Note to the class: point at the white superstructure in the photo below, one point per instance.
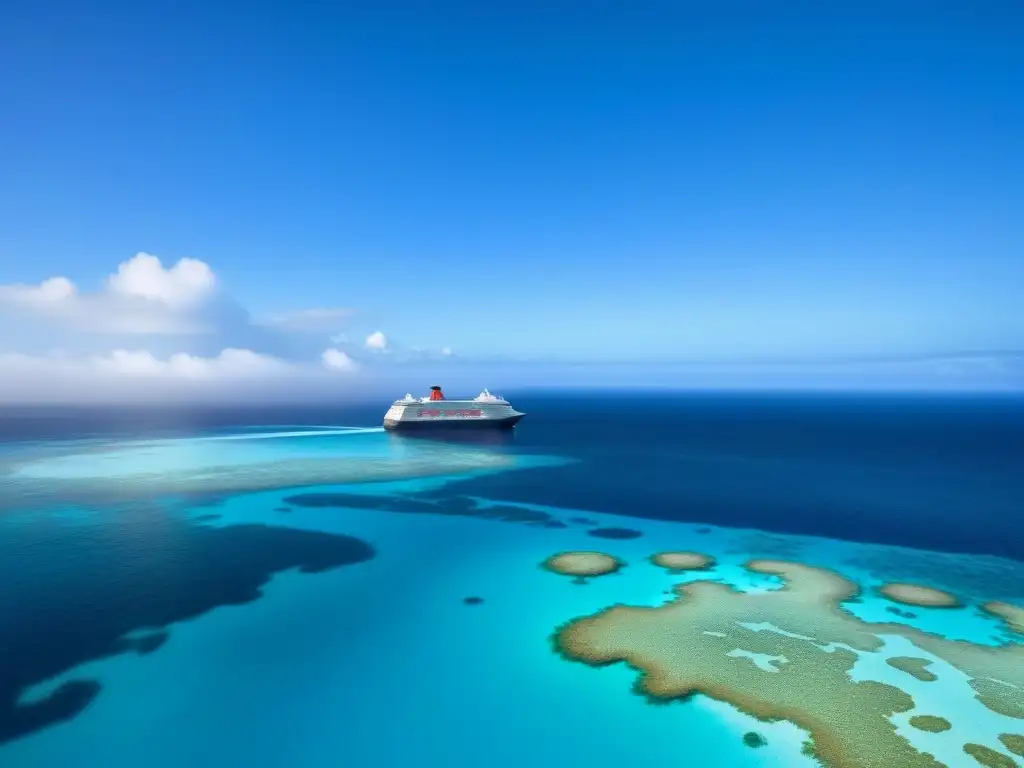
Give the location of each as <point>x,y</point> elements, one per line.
<point>484,410</point>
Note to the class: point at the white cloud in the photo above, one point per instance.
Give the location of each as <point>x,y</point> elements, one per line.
<point>336,360</point>
<point>141,297</point>
<point>231,363</point>
<point>377,341</point>
<point>140,364</point>
<point>48,292</point>
<point>125,375</point>
<point>145,277</point>
<point>446,352</point>
<point>150,331</point>
<point>180,307</point>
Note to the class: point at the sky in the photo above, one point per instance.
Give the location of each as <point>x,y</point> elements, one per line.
<point>204,197</point>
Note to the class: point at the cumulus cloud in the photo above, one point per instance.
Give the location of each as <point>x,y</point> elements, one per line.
<point>145,298</point>
<point>154,330</point>
<point>47,293</point>
<point>141,297</point>
<point>145,277</point>
<point>336,360</point>
<point>158,330</point>
<point>377,341</point>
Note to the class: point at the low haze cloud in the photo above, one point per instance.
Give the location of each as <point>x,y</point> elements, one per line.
<point>327,319</point>
<point>151,331</point>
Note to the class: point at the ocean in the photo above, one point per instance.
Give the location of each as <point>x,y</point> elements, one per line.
<point>292,586</point>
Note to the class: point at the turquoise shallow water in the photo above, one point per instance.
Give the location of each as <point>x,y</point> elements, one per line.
<point>378,660</point>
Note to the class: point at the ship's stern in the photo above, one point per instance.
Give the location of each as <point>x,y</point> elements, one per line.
<point>393,416</point>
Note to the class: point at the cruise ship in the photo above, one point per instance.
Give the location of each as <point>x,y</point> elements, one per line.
<point>437,412</point>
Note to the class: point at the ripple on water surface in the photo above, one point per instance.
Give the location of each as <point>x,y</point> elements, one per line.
<point>320,670</point>
<point>249,461</point>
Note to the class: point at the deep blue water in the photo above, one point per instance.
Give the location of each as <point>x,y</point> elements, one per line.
<point>113,543</point>
<point>935,472</point>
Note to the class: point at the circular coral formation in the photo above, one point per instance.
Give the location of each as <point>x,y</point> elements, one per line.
<point>930,723</point>
<point>683,561</point>
<point>582,564</point>
<point>754,740</point>
<point>916,594</point>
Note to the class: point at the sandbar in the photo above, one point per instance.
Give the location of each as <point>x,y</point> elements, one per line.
<point>930,723</point>
<point>687,646</point>
<point>913,666</point>
<point>166,479</point>
<point>582,563</point>
<point>1012,615</point>
<point>919,595</point>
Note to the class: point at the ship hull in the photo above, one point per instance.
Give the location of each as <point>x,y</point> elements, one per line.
<point>451,415</point>
<point>445,425</point>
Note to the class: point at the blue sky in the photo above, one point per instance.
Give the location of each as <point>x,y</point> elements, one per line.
<point>625,182</point>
